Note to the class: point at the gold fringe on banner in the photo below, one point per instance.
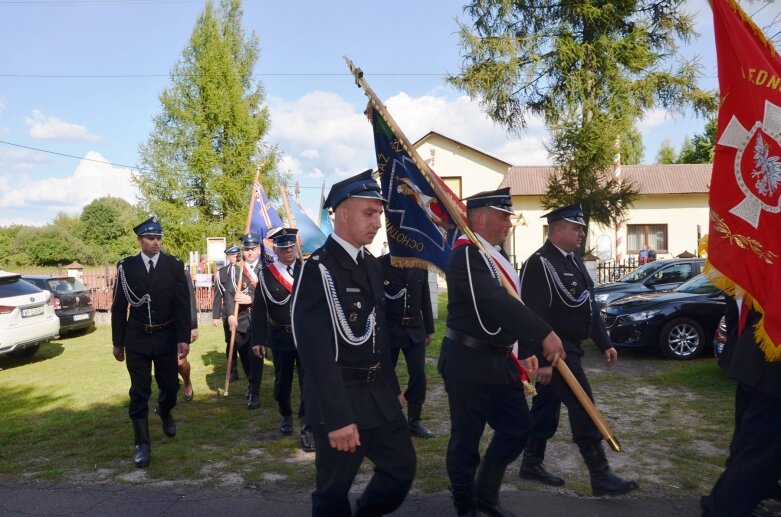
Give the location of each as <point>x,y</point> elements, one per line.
<point>730,288</point>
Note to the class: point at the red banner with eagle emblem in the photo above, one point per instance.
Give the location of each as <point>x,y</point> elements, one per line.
<point>744,242</point>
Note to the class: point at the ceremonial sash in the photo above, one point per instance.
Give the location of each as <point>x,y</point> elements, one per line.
<point>279,272</point>
<point>250,273</point>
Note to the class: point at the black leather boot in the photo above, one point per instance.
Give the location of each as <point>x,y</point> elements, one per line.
<point>531,465</point>
<point>286,425</point>
<point>143,446</point>
<point>253,402</point>
<point>603,480</point>
<point>307,439</point>
<point>487,482</point>
<point>416,427</point>
<point>169,424</point>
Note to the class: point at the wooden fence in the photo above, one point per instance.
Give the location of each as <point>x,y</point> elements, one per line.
<point>101,286</point>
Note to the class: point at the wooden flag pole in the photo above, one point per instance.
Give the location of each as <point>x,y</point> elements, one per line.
<point>460,219</point>
<point>237,284</point>
<point>291,220</point>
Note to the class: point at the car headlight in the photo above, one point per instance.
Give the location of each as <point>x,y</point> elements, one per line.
<point>641,316</point>
<point>601,298</point>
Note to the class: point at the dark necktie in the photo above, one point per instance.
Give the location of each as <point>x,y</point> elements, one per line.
<point>290,270</point>
<point>151,266</point>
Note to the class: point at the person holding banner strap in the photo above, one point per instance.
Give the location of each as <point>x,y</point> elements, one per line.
<point>271,328</point>
<point>248,281</point>
<point>556,285</point>
<point>351,393</point>
<point>482,379</point>
<point>753,467</point>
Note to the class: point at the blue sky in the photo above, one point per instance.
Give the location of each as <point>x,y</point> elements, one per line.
<point>82,78</point>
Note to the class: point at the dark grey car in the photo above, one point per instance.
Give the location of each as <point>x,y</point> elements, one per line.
<point>661,275</point>
<point>71,299</point>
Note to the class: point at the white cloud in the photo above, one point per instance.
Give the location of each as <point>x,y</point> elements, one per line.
<point>315,174</point>
<point>52,128</point>
<point>49,196</point>
<point>311,154</point>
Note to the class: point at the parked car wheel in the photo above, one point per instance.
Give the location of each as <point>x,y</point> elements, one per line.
<point>25,352</point>
<point>682,338</point>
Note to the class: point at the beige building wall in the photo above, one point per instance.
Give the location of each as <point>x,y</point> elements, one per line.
<point>681,213</point>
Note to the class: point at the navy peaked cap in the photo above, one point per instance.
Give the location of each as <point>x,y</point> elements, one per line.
<point>149,227</point>
<point>361,186</point>
<point>496,199</point>
<point>250,240</point>
<point>571,213</point>
<point>283,237</point>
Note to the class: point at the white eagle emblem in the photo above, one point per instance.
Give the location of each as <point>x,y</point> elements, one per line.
<point>759,174</point>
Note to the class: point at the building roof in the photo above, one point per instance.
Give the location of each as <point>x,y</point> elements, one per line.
<point>648,179</point>
<point>431,134</point>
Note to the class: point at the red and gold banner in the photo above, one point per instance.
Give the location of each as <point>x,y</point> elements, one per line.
<point>744,242</point>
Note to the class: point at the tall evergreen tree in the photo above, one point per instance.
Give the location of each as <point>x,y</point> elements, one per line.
<point>666,154</point>
<point>591,69</point>
<point>201,157</point>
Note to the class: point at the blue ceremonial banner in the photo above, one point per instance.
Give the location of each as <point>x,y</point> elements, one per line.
<point>264,218</point>
<point>421,231</point>
<point>324,222</point>
<point>309,234</point>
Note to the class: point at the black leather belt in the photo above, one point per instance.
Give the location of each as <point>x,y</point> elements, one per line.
<point>360,374</point>
<point>409,320</point>
<point>478,344</point>
<point>286,328</point>
<point>151,329</point>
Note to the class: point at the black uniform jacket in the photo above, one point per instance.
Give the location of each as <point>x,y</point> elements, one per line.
<point>193,301</point>
<point>330,398</point>
<point>410,317</point>
<point>170,302</point>
<point>561,291</point>
<point>222,278</point>
<point>271,321</point>
<point>497,308</point>
<point>742,358</point>
<point>247,286</point>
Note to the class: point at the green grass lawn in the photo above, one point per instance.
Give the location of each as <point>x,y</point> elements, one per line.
<point>64,418</point>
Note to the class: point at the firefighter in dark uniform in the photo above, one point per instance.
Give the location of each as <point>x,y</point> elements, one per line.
<point>481,377</point>
<point>248,282</point>
<point>271,329</point>
<point>150,325</point>
<point>410,329</point>
<point>753,467</point>
<point>351,393</point>
<point>226,275</point>
<point>556,285</point>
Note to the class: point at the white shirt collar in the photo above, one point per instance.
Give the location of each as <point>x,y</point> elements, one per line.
<point>147,258</point>
<point>349,248</point>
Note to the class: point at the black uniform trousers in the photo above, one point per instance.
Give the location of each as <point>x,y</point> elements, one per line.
<point>285,363</point>
<point>546,406</point>
<point>139,366</point>
<point>754,464</point>
<point>415,356</point>
<point>227,330</point>
<point>472,406</point>
<point>390,449</point>
<point>250,363</point>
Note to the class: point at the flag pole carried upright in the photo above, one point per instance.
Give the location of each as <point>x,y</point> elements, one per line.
<point>459,217</point>
<point>236,286</point>
<point>290,219</point>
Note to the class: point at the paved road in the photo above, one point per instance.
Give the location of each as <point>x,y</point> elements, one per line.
<point>45,499</point>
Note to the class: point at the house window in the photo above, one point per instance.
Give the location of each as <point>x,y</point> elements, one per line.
<point>651,234</point>
<point>454,184</point>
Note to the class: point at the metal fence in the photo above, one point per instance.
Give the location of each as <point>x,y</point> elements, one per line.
<point>610,271</point>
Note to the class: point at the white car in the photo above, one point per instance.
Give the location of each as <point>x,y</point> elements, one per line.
<point>26,317</point>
